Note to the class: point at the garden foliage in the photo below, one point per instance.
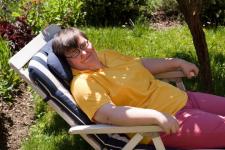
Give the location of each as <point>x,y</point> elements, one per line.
<point>41,13</point>
<point>8,9</point>
<point>18,33</point>
<point>213,12</point>
<point>9,80</point>
<point>112,12</point>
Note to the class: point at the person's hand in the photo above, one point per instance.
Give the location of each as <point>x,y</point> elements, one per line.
<point>189,69</point>
<point>167,122</point>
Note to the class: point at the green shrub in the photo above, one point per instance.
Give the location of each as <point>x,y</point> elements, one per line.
<point>213,12</point>
<point>112,12</point>
<point>9,80</point>
<point>170,6</point>
<point>153,5</point>
<point>41,13</point>
<point>8,9</point>
<point>162,8</point>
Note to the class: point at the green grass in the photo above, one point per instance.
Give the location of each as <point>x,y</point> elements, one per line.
<point>142,41</point>
<point>216,42</point>
<point>50,132</point>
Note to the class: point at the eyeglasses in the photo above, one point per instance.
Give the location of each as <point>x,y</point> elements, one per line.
<point>74,52</point>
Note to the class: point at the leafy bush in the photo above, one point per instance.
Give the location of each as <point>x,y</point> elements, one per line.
<point>18,33</point>
<point>153,5</point>
<point>9,81</point>
<point>8,9</point>
<point>112,12</point>
<point>213,12</point>
<point>170,7</point>
<point>163,10</point>
<point>41,13</point>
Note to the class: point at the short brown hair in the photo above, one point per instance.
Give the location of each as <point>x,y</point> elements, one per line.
<point>65,40</point>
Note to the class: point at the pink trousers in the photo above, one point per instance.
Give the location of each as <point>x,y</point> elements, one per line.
<point>202,123</point>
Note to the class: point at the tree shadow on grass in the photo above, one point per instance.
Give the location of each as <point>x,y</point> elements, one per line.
<point>194,83</point>
<point>217,67</point>
<point>57,126</point>
<point>218,72</point>
<point>74,142</point>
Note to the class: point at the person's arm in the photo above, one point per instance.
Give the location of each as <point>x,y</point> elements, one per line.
<point>131,116</point>
<point>160,65</point>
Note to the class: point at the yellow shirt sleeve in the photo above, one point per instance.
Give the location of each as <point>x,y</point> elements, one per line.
<point>88,94</point>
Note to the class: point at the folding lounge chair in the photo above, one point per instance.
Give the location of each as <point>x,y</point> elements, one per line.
<point>40,68</point>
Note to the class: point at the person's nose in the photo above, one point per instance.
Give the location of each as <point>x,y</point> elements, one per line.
<point>83,52</point>
<point>89,47</point>
<point>87,50</point>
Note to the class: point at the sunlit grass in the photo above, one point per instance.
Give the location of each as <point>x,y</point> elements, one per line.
<point>55,138</point>
<point>142,41</point>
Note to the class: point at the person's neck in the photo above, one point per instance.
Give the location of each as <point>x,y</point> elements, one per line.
<point>103,65</point>
<point>98,67</point>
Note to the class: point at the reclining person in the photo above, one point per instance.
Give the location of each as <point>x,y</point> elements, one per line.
<point>121,90</point>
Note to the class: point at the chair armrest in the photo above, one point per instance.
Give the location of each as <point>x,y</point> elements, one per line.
<point>170,74</point>
<point>105,129</point>
<point>173,76</point>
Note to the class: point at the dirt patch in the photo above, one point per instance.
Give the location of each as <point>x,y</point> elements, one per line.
<point>160,20</point>
<point>16,118</point>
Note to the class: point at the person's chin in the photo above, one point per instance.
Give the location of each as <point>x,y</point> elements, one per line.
<point>97,67</point>
<point>90,68</point>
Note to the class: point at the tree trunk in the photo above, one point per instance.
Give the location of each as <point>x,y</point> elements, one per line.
<point>191,11</point>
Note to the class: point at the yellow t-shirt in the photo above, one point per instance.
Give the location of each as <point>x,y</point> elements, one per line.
<point>124,82</point>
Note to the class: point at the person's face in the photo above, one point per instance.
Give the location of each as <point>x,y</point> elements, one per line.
<point>84,57</point>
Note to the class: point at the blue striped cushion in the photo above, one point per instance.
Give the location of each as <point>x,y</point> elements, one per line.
<point>57,65</point>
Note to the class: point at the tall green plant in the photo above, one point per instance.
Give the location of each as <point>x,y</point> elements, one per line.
<point>8,9</point>
<point>8,78</point>
<point>41,13</point>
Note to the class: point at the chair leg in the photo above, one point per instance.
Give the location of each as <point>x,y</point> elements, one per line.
<point>157,141</point>
<point>133,142</point>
